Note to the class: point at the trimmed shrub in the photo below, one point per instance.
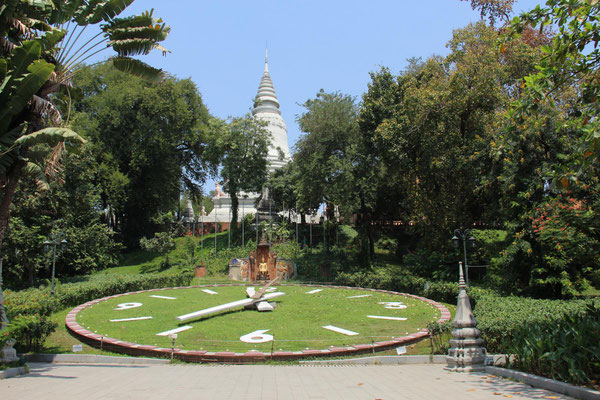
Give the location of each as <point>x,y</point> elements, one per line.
<point>501,319</point>
<point>41,302</point>
<point>403,282</point>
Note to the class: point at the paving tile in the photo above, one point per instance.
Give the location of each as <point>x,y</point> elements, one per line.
<point>148,382</point>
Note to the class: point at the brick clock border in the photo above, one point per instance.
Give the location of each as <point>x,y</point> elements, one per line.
<point>135,349</point>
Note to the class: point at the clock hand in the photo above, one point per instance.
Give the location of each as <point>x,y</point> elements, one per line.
<point>227,306</point>
<point>262,290</point>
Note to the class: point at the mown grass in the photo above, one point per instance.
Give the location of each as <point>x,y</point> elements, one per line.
<point>295,324</point>
<point>61,342</point>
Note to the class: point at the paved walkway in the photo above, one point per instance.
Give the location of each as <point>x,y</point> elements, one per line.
<point>182,381</point>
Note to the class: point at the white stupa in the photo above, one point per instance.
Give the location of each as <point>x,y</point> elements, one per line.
<point>266,108</point>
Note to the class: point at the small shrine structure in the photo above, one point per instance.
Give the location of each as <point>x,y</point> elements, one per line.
<point>261,265</point>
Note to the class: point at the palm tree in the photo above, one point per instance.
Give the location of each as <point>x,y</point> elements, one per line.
<point>39,54</point>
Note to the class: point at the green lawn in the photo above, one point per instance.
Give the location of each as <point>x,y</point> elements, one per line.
<point>188,253</point>
<point>295,324</point>
<point>61,342</point>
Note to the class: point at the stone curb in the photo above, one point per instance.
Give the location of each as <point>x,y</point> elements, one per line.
<point>545,383</point>
<point>91,359</point>
<point>491,359</point>
<point>135,349</point>
<point>12,372</point>
<point>376,360</point>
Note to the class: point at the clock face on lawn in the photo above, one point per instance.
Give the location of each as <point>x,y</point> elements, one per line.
<point>305,317</point>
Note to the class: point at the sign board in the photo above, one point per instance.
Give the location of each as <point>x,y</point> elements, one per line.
<point>77,347</point>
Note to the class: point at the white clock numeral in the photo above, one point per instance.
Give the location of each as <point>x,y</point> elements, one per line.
<point>127,306</point>
<point>392,305</point>
<point>257,337</point>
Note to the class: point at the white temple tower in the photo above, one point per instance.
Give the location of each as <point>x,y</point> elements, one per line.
<point>266,108</point>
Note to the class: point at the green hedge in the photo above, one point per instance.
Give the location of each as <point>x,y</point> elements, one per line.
<point>39,301</point>
<point>445,292</point>
<point>500,319</point>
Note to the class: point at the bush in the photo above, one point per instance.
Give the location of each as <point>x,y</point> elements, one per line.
<point>431,264</point>
<point>566,349</point>
<point>381,278</point>
<point>501,319</point>
<point>162,242</point>
<point>30,331</point>
<point>490,242</point>
<point>439,336</point>
<point>317,265</point>
<point>554,253</point>
<point>386,243</point>
<point>40,302</point>
<point>218,264</point>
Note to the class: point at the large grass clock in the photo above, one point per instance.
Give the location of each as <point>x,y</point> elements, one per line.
<point>305,321</point>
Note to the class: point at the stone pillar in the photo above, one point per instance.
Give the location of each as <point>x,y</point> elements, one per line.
<point>466,351</point>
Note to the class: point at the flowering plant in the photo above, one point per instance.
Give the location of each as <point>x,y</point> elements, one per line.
<point>565,239</point>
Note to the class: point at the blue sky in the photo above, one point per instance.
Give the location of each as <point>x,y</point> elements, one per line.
<point>313,45</point>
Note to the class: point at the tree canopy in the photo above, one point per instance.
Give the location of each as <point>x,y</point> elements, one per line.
<point>149,141</point>
<point>242,145</point>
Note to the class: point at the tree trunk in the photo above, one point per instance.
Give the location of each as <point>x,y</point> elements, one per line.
<point>12,180</point>
<point>31,274</point>
<point>235,203</point>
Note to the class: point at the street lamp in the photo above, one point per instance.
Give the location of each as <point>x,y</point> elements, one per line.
<point>464,236</point>
<point>55,239</point>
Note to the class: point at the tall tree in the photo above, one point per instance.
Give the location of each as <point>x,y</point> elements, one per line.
<point>150,142</point>
<point>34,65</point>
<point>38,59</point>
<point>493,10</point>
<point>323,155</point>
<point>334,165</point>
<point>549,152</point>
<point>70,205</point>
<point>435,122</point>
<point>571,60</point>
<point>242,144</point>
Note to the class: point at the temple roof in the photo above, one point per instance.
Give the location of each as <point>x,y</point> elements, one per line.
<point>266,99</point>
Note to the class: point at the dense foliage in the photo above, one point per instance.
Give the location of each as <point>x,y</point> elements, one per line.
<point>440,146</point>
<point>566,349</point>
<point>501,319</point>
<point>242,146</point>
<point>571,61</point>
<point>37,63</point>
<point>69,205</point>
<point>148,141</point>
